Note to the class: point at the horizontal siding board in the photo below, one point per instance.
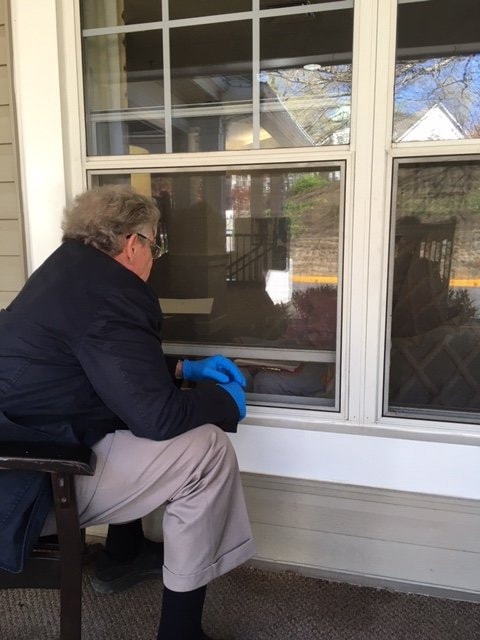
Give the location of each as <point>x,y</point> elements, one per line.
<point>5,125</point>
<point>5,96</point>
<point>374,520</point>
<point>3,46</point>
<point>12,273</point>
<point>359,492</point>
<point>364,535</point>
<point>9,204</point>
<point>6,297</point>
<point>7,163</point>
<point>10,238</point>
<point>388,561</point>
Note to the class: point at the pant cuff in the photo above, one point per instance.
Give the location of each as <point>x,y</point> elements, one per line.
<point>226,563</point>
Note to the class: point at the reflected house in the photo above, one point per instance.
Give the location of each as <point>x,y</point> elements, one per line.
<point>435,123</point>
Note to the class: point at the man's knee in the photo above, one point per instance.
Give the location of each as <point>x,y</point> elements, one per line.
<point>214,442</point>
<point>209,461</point>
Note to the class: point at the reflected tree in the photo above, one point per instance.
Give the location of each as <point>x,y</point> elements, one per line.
<point>452,81</point>
<point>318,100</point>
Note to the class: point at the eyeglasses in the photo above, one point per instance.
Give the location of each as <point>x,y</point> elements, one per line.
<point>156,249</point>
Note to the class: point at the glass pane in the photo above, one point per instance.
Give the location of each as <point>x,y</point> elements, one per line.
<point>113,13</point>
<point>196,8</point>
<point>306,79</point>
<point>211,93</point>
<point>253,265</point>
<point>276,4</point>
<point>437,81</point>
<point>124,93</point>
<point>435,290</point>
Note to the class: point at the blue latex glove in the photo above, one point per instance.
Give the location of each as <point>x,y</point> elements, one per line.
<point>238,394</point>
<point>217,368</point>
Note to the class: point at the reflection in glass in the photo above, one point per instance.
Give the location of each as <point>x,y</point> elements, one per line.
<point>437,76</point>
<point>253,264</point>
<point>124,93</point>
<point>435,298</point>
<point>195,8</point>
<point>113,13</point>
<point>306,78</point>
<point>211,94</point>
<point>276,4</point>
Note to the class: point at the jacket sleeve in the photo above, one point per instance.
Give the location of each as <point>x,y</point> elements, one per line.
<point>122,357</point>
<point>171,362</point>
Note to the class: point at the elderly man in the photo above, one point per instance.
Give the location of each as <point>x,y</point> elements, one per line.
<point>82,361</point>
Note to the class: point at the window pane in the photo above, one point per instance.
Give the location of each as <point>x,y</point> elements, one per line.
<point>276,4</point>
<point>124,93</point>
<point>306,79</point>
<point>196,8</point>
<point>437,83</point>
<point>253,265</point>
<point>435,290</point>
<point>211,93</point>
<point>113,13</point>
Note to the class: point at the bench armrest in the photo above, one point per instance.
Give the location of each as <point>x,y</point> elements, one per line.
<point>48,457</point>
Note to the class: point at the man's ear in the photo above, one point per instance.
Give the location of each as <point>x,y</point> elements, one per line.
<point>130,247</point>
<point>127,254</point>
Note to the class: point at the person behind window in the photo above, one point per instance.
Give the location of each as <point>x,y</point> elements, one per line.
<point>419,294</point>
<point>82,362</point>
<point>313,326</point>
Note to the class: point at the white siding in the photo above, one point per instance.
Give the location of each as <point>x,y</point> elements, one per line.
<point>12,270</point>
<point>424,544</point>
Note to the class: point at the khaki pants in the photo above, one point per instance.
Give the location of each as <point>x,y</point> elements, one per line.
<point>206,530</point>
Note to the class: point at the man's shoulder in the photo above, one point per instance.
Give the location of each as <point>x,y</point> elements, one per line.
<point>80,277</point>
<point>84,265</point>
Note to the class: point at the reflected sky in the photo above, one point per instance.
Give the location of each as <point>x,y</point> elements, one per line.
<point>452,81</point>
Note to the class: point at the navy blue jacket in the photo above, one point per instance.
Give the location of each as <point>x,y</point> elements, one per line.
<point>81,356</point>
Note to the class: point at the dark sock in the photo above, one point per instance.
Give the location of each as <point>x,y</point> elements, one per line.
<point>181,617</point>
<point>124,541</point>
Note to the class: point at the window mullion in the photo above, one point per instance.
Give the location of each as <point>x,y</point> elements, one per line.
<point>166,78</point>
<point>380,210</point>
<point>256,75</point>
<point>359,287</point>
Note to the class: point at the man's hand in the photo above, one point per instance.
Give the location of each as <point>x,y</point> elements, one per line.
<point>238,394</point>
<point>217,368</point>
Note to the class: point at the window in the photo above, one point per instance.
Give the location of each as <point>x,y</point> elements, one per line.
<point>433,339</point>
<point>435,300</point>
<point>253,269</point>
<point>277,77</point>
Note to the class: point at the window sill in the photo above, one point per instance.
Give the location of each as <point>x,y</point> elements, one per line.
<point>329,422</point>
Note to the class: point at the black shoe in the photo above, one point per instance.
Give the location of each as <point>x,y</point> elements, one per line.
<point>113,575</point>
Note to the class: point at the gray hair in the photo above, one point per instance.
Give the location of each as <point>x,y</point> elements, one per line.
<point>103,216</point>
